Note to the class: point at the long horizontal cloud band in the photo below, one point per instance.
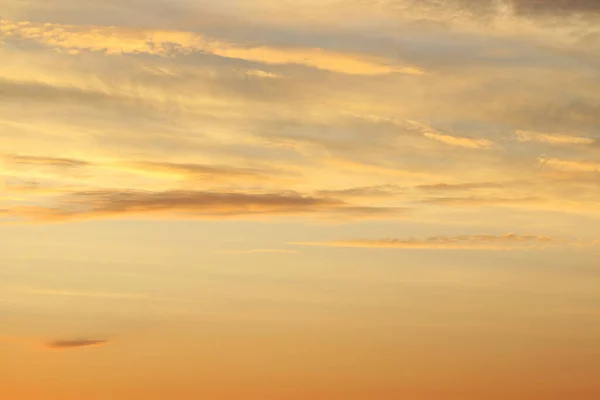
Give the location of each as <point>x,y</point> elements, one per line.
<point>114,40</point>
<point>193,204</point>
<point>474,242</point>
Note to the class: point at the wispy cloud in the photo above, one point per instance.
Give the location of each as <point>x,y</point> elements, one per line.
<point>468,242</point>
<point>233,118</point>
<point>481,201</point>
<point>569,165</point>
<point>116,40</point>
<point>190,170</point>
<point>451,140</point>
<point>43,161</point>
<point>258,251</point>
<point>452,187</point>
<point>457,141</point>
<point>528,136</point>
<point>364,191</point>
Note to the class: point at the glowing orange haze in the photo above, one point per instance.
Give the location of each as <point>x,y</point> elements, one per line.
<point>299,200</point>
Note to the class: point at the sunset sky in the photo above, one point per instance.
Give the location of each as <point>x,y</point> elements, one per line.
<point>299,200</point>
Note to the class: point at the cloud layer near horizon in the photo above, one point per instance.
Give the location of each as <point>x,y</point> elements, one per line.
<point>469,242</point>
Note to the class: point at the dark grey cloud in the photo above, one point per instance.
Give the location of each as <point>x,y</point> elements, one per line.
<point>67,344</point>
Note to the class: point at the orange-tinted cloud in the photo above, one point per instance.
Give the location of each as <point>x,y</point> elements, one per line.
<point>70,344</point>
<point>258,251</point>
<point>481,201</point>
<point>457,141</point>
<point>468,242</point>
<point>529,136</point>
<point>43,161</point>
<point>192,170</point>
<point>115,40</point>
<point>451,140</point>
<point>363,191</point>
<point>569,165</point>
<point>451,187</point>
<point>191,204</point>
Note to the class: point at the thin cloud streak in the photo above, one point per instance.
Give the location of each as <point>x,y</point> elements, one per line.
<point>43,161</point>
<point>481,201</point>
<point>468,242</point>
<point>191,170</point>
<point>100,295</point>
<point>73,344</point>
<point>364,191</point>
<point>56,345</point>
<point>569,165</point>
<point>528,136</point>
<point>258,251</point>
<point>460,141</point>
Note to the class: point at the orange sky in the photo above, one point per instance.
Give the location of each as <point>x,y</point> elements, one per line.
<point>272,200</point>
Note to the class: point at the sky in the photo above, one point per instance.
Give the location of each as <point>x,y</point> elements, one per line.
<point>284,200</point>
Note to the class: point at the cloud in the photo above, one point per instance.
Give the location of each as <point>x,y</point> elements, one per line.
<point>569,165</point>
<point>43,161</point>
<point>68,293</point>
<point>555,7</point>
<point>60,344</point>
<point>258,251</point>
<point>460,186</point>
<point>457,141</point>
<point>468,143</point>
<point>262,74</point>
<point>71,344</point>
<point>470,242</point>
<point>191,170</point>
<point>364,191</point>
<point>191,205</point>
<point>475,201</point>
<point>529,136</point>
<point>499,9</point>
<point>215,106</point>
<point>116,40</point>
<point>37,188</point>
<point>98,295</point>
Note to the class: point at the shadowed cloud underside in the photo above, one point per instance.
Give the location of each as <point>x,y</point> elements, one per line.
<point>70,344</point>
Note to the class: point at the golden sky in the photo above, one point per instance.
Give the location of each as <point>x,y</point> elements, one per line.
<point>299,200</point>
